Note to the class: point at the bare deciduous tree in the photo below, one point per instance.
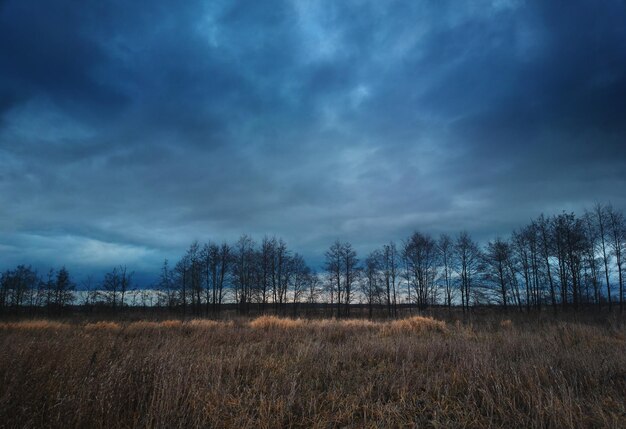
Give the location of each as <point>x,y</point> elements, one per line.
<point>617,231</point>
<point>445,249</point>
<point>601,218</point>
<point>467,255</point>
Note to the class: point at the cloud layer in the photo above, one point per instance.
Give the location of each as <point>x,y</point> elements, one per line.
<point>128,129</point>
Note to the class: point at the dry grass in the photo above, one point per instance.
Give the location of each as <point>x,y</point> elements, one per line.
<point>417,324</point>
<point>143,325</point>
<point>273,322</point>
<point>102,326</point>
<point>207,324</point>
<point>28,325</point>
<point>506,324</point>
<point>273,372</point>
<point>171,324</point>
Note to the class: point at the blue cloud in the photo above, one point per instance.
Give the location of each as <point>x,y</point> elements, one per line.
<point>145,125</point>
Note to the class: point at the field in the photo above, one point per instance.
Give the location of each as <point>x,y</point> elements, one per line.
<point>269,373</point>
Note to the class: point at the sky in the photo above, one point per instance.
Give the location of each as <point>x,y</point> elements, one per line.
<point>128,129</point>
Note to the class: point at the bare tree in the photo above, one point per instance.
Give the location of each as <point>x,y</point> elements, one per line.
<point>90,292</point>
<point>314,289</point>
<point>125,282</point>
<point>559,234</point>
<point>371,284</point>
<point>166,285</point>
<point>300,278</point>
<point>351,272</point>
<point>390,267</point>
<point>268,247</point>
<point>114,286</point>
<point>281,274</point>
<point>333,268</point>
<point>64,289</point>
<point>225,261</point>
<point>216,261</point>
<point>571,243</point>
<point>193,277</point>
<point>181,280</point>
<point>617,231</point>
<point>591,262</point>
<point>111,287</point>
<point>521,248</point>
<point>467,255</point>
<point>546,246</point>
<point>420,254</point>
<point>17,286</point>
<point>601,219</point>
<point>342,268</point>
<point>497,259</point>
<point>445,249</point>
<point>243,272</point>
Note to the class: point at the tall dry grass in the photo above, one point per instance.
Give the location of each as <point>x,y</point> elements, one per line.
<point>272,372</point>
<point>103,326</point>
<point>27,325</point>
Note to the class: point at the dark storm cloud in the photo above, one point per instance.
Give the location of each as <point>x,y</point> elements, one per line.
<point>128,129</point>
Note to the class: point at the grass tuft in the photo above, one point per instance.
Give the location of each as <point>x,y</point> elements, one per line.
<point>417,324</point>
<point>273,322</point>
<point>103,326</point>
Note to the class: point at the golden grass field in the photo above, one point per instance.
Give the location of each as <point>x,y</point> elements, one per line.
<point>273,373</point>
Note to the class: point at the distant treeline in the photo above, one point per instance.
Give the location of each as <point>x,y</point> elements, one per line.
<point>561,261</point>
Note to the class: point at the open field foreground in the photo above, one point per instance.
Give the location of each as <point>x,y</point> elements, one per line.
<point>271,373</point>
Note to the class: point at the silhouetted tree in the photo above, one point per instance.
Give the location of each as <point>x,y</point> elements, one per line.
<point>268,247</point>
<point>333,268</point>
<point>390,267</point>
<point>617,232</point>
<point>546,247</point>
<point>371,284</point>
<point>591,261</point>
<point>125,278</point>
<point>110,287</point>
<point>17,286</point>
<point>166,286</point>
<point>420,253</point>
<point>497,260</point>
<point>300,279</point>
<point>314,289</point>
<point>601,219</point>
<point>467,255</point>
<point>64,289</point>
<point>445,249</point>
<point>243,267</point>
<point>350,271</point>
<point>217,262</point>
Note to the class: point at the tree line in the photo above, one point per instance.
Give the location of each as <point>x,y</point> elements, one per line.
<point>559,262</point>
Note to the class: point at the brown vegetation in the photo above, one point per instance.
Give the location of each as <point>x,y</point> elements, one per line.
<point>272,372</point>
<point>34,325</point>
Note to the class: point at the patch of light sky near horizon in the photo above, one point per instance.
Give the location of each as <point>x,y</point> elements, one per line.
<point>78,251</point>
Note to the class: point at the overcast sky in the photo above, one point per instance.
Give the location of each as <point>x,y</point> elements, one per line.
<point>130,128</point>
